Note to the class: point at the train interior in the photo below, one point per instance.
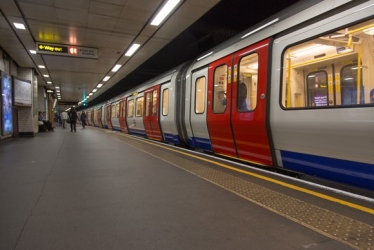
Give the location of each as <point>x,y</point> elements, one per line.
<point>332,70</point>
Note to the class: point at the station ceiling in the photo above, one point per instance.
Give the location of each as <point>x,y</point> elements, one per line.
<point>106,29</point>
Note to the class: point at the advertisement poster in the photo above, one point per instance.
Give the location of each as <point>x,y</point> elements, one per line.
<point>6,92</point>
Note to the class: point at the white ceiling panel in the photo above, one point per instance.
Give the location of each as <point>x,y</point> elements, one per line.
<point>101,22</point>
<point>105,9</point>
<point>72,4</point>
<point>150,5</point>
<point>136,14</point>
<point>117,2</point>
<point>126,26</point>
<point>10,7</point>
<point>41,2</point>
<point>39,12</point>
<point>72,17</point>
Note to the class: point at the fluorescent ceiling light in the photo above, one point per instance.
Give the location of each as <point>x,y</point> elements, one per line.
<point>32,51</point>
<point>57,87</point>
<point>169,6</point>
<point>90,94</point>
<point>106,78</point>
<point>369,31</point>
<point>260,28</point>
<point>41,66</point>
<point>46,75</point>
<point>19,26</point>
<point>312,50</point>
<point>88,97</point>
<point>49,82</point>
<point>205,56</point>
<point>116,68</point>
<point>99,85</point>
<point>94,90</point>
<point>132,49</point>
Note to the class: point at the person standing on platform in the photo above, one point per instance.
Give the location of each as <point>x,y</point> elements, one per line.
<point>64,118</point>
<point>83,119</point>
<point>73,119</point>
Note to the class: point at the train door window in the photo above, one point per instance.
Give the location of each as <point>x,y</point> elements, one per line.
<point>139,106</point>
<point>117,110</point>
<point>165,102</point>
<point>154,104</point>
<point>347,57</point>
<point>108,111</point>
<point>317,89</point>
<point>200,87</point>
<point>121,113</point>
<point>130,108</point>
<point>349,87</point>
<point>247,85</point>
<point>148,100</point>
<point>113,111</point>
<point>219,89</point>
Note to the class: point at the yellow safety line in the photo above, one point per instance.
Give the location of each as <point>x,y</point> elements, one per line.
<point>322,196</point>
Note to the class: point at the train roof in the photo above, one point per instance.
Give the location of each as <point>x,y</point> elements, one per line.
<point>290,17</point>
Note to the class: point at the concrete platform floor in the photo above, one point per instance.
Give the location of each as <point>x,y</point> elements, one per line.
<point>85,190</point>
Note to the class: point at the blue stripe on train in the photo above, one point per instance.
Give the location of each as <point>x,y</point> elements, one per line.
<point>196,142</point>
<point>350,172</point>
<point>137,132</point>
<point>116,128</point>
<point>172,138</point>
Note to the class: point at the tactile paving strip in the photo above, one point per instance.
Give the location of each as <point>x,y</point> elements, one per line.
<point>355,233</point>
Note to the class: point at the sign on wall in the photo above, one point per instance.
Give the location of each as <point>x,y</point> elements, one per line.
<point>22,92</point>
<point>66,50</point>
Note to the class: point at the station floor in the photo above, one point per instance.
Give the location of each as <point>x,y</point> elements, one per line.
<point>99,189</point>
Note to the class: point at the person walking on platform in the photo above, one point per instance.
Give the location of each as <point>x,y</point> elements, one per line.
<point>83,119</point>
<point>64,118</point>
<point>73,119</point>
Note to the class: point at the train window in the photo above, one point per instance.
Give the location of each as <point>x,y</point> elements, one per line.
<point>219,89</point>
<point>330,70</point>
<point>154,104</point>
<point>165,102</point>
<point>130,108</point>
<point>247,84</point>
<point>117,110</point>
<point>121,109</point>
<point>113,114</point>
<point>200,87</point>
<point>317,89</point>
<point>148,100</point>
<point>348,86</point>
<point>108,111</point>
<point>139,106</point>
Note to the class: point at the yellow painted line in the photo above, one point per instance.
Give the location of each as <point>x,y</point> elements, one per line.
<point>304,190</point>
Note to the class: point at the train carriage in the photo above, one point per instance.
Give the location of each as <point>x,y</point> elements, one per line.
<point>322,112</point>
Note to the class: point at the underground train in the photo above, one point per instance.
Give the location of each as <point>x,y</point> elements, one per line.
<point>295,92</point>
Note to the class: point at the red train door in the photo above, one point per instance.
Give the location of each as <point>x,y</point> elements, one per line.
<point>219,107</point>
<point>122,116</point>
<point>249,90</point>
<point>151,113</point>
<point>108,115</point>
<point>99,117</point>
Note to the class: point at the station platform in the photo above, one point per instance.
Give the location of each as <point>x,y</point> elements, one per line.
<point>100,189</point>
